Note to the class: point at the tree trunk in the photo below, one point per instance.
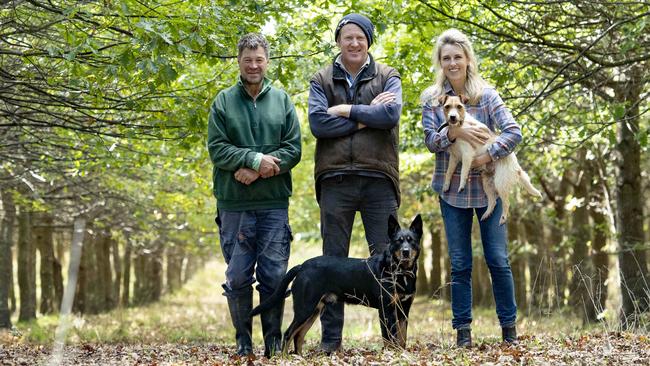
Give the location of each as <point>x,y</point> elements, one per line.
<point>139,283</point>
<point>447,284</point>
<point>126,283</point>
<point>42,233</point>
<point>581,269</point>
<point>435,277</point>
<point>6,257</point>
<point>76,248</point>
<point>518,257</point>
<point>600,257</point>
<point>175,267</point>
<point>190,268</point>
<point>557,258</point>
<point>117,268</point>
<point>26,267</point>
<point>12,294</point>
<point>148,276</point>
<point>538,264</point>
<point>86,301</point>
<point>104,274</point>
<point>156,273</point>
<point>629,199</point>
<point>58,270</point>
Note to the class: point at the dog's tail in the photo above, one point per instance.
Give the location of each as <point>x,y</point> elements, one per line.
<point>280,292</point>
<point>525,181</point>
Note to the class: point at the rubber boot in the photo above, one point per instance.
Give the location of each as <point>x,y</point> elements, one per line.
<point>464,337</point>
<point>240,307</point>
<point>272,328</point>
<point>509,334</point>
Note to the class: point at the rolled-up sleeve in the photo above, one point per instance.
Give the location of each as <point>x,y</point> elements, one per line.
<point>435,140</point>
<point>510,132</point>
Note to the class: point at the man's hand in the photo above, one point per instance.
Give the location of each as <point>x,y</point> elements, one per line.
<point>269,166</point>
<point>383,98</point>
<point>341,110</point>
<point>475,135</point>
<point>246,176</point>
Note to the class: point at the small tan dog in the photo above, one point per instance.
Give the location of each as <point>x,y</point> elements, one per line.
<point>497,180</point>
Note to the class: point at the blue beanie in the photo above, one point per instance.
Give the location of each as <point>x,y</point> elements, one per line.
<point>363,22</point>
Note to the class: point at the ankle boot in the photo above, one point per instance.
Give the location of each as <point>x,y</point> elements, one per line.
<point>272,328</point>
<point>509,334</point>
<point>464,337</point>
<point>240,307</point>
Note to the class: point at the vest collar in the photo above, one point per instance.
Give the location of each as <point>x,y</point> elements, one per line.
<point>368,70</point>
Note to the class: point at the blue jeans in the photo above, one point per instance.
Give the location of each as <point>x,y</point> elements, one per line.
<point>261,237</point>
<point>458,228</point>
<point>340,198</point>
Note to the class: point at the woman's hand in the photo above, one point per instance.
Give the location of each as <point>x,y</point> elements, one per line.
<point>475,135</point>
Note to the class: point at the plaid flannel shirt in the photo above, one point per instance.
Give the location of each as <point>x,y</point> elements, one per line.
<point>491,111</point>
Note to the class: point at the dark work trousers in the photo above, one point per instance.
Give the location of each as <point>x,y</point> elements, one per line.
<point>340,198</point>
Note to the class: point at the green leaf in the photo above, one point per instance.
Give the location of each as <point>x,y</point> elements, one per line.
<point>619,111</point>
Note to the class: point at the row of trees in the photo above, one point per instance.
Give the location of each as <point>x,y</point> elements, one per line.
<point>104,271</point>
<point>104,107</point>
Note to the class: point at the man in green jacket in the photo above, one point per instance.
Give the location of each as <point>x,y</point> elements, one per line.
<point>254,141</point>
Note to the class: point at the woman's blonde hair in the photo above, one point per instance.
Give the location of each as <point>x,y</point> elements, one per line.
<point>474,83</point>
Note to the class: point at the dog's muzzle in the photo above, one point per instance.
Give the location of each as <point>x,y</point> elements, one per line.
<point>453,120</point>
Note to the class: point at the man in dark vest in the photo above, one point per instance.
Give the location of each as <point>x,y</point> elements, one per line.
<point>354,109</point>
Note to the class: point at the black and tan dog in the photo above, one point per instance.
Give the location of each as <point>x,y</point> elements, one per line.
<point>385,281</point>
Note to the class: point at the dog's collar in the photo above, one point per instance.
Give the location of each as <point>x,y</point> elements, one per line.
<point>442,126</point>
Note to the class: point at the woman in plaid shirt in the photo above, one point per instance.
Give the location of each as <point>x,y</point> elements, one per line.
<point>458,74</point>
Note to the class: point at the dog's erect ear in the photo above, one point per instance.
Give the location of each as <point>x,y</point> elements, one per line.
<point>416,225</point>
<point>463,98</point>
<point>393,226</point>
<point>442,99</point>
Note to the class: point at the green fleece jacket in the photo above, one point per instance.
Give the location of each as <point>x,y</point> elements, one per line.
<point>240,127</point>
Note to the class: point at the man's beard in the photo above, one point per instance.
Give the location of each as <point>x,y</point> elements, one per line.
<point>247,81</point>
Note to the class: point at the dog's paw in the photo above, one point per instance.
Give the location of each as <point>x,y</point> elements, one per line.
<point>502,220</point>
<point>461,187</point>
<point>445,187</point>
<point>486,215</point>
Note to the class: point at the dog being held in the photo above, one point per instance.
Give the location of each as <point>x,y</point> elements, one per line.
<point>384,281</point>
<point>498,179</point>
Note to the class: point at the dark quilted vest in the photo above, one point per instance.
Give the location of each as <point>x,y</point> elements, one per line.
<point>368,149</point>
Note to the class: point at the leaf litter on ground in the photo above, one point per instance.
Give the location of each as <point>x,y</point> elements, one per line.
<point>191,327</point>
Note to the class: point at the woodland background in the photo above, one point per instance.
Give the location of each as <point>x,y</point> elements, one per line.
<point>103,113</point>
